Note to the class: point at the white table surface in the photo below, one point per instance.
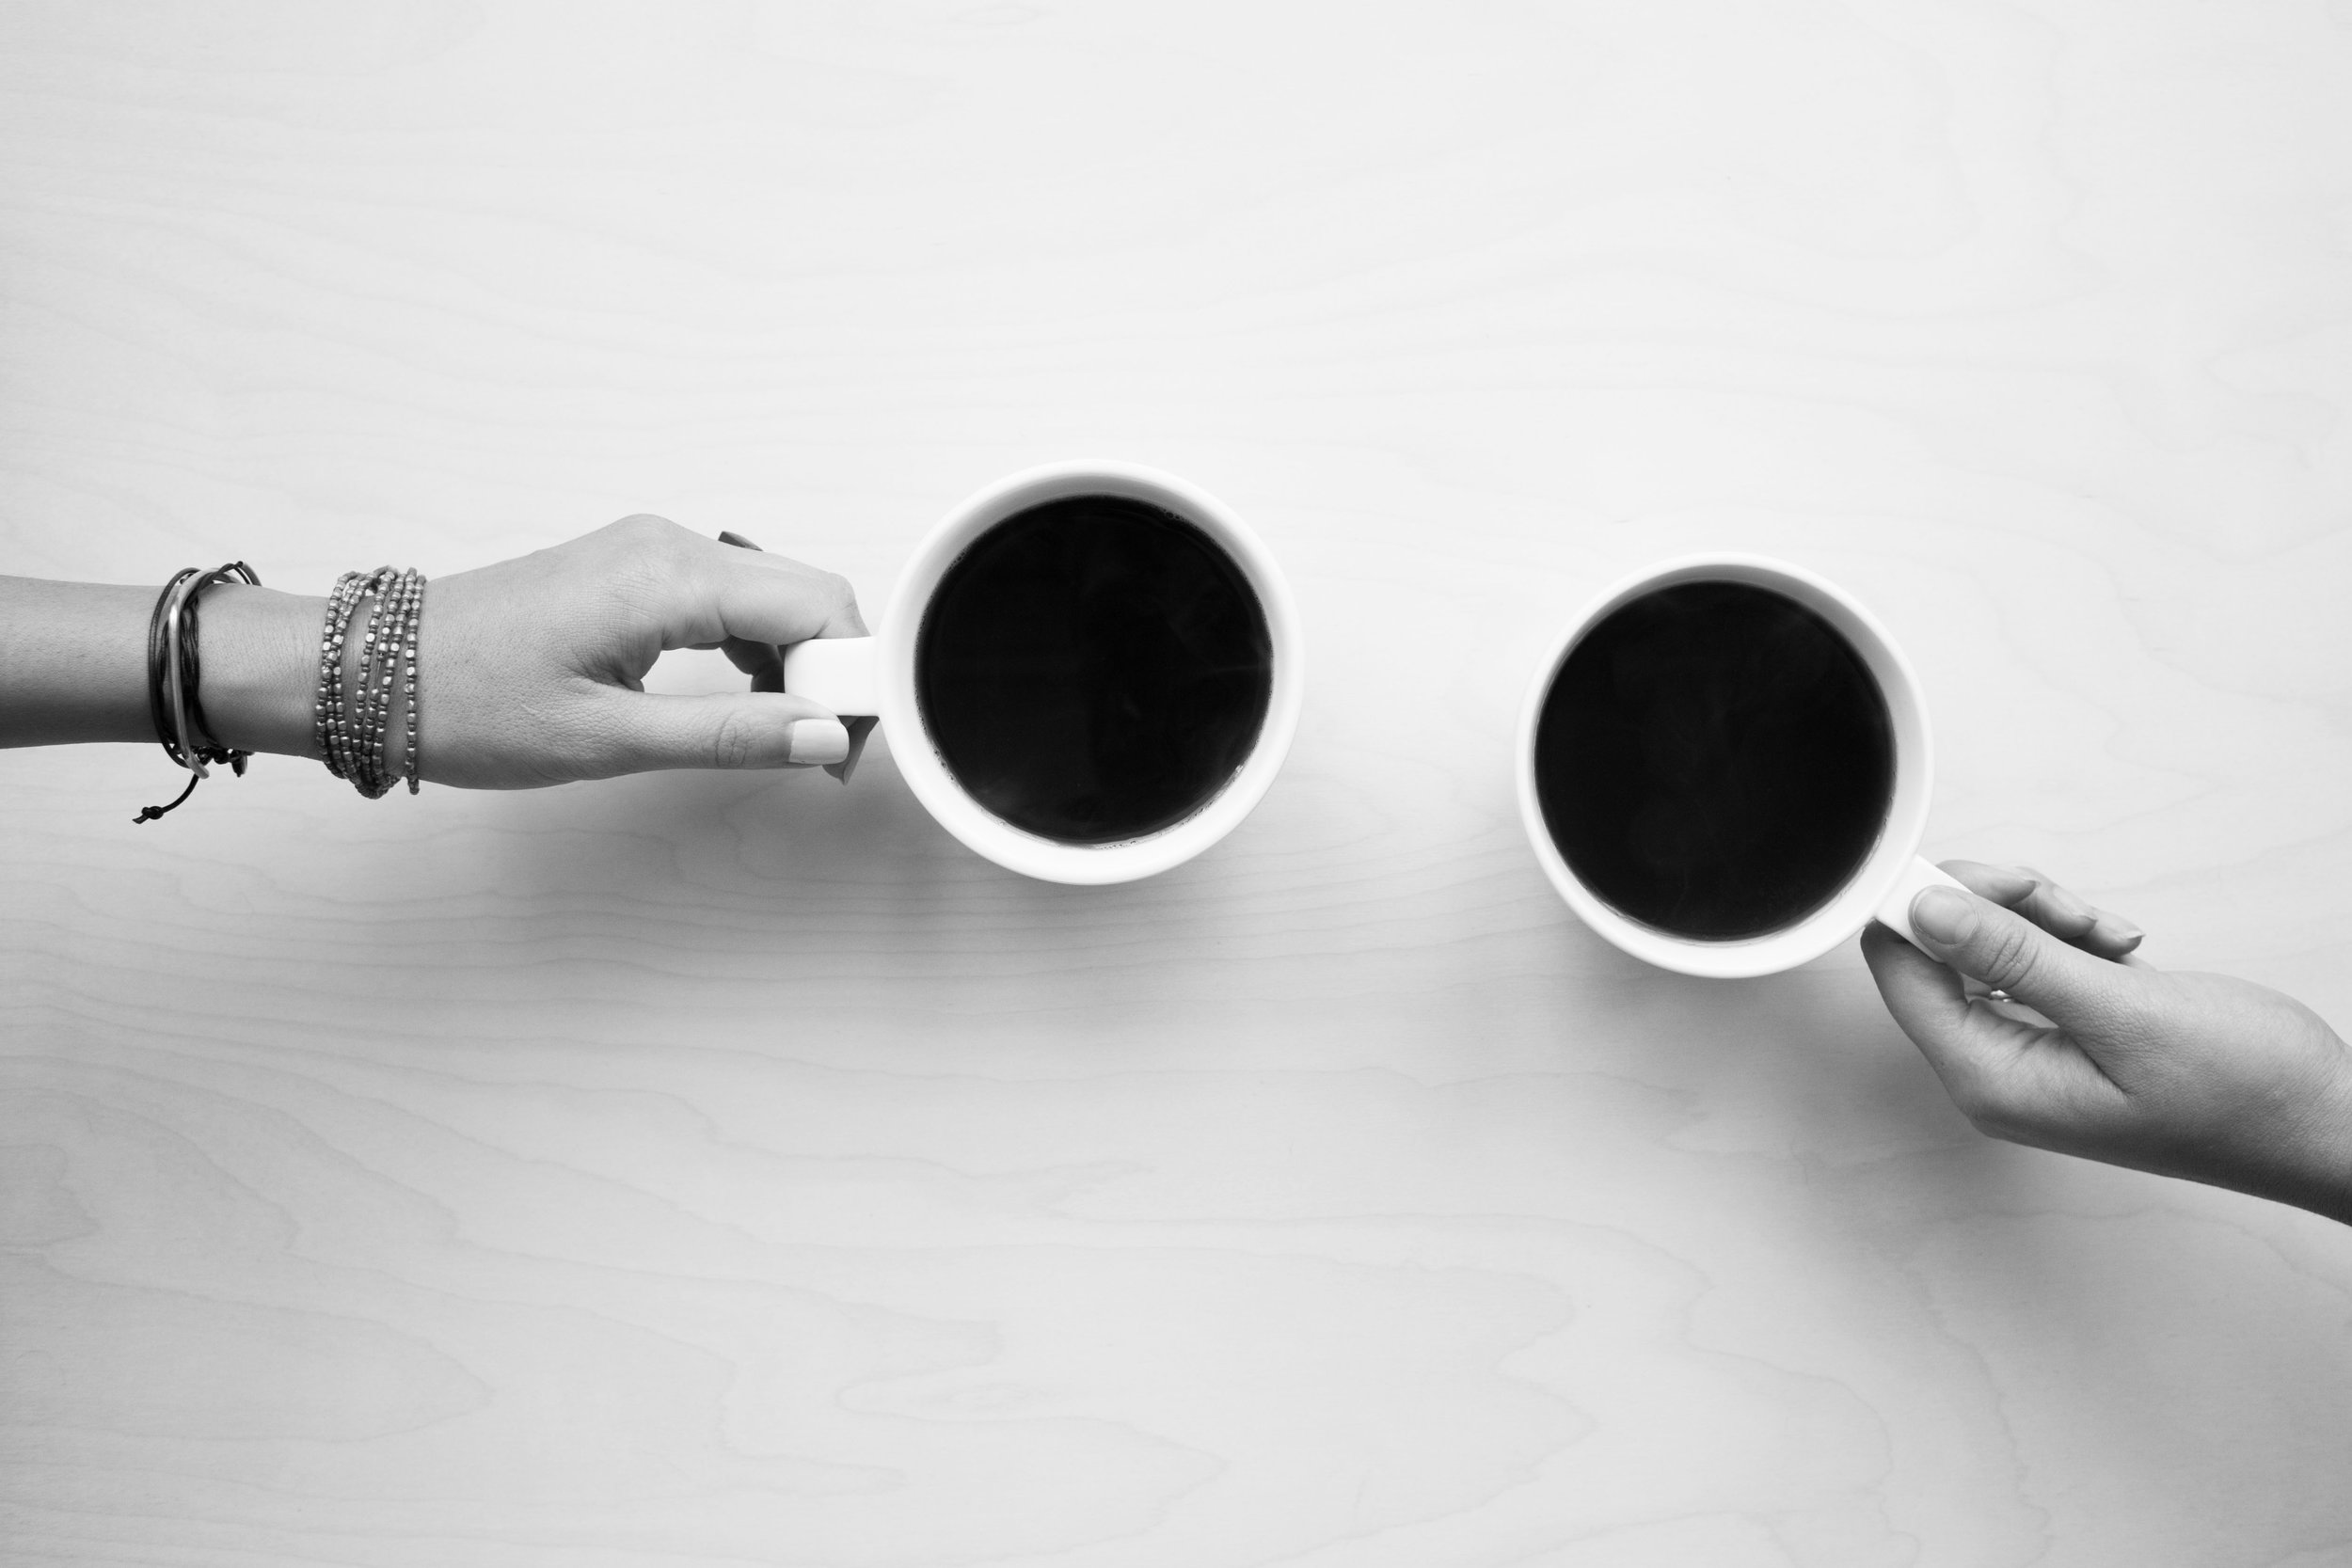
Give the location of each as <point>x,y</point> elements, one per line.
<point>704,1169</point>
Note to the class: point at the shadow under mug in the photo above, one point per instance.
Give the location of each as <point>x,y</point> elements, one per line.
<point>879,675</point>
<point>1888,877</point>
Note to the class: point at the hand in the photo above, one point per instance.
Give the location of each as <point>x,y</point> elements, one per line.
<point>2198,1076</point>
<point>531,672</point>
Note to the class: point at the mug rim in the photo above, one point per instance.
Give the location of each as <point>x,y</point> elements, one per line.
<point>1899,832</point>
<point>919,759</point>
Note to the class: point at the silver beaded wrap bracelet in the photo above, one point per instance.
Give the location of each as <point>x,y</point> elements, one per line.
<point>351,725</point>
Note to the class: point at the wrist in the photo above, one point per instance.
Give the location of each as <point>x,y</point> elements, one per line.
<point>259,652</point>
<point>2330,1162</point>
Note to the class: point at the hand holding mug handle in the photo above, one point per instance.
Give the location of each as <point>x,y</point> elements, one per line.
<point>1894,908</point>
<point>2199,1076</point>
<point>790,668</point>
<point>871,679</point>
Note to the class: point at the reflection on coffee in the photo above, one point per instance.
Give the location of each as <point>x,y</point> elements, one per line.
<point>1093,670</point>
<point>1715,760</point>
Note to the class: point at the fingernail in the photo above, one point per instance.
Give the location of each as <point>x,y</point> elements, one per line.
<point>818,741</point>
<point>2068,903</point>
<point>1944,916</point>
<point>2018,883</point>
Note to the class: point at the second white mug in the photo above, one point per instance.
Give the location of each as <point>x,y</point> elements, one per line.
<point>1883,880</point>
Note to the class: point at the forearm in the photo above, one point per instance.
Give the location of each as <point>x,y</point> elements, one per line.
<point>72,662</point>
<point>74,665</point>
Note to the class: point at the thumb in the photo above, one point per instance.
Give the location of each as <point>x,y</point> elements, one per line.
<point>2007,951</point>
<point>645,731</point>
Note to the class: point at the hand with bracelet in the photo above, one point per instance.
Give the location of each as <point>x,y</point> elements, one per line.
<point>528,673</point>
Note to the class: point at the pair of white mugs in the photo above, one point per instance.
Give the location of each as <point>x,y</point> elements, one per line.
<point>877,675</point>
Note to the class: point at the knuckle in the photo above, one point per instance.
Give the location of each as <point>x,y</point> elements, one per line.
<point>734,742</point>
<point>2012,957</point>
<point>648,543</point>
<point>643,560</point>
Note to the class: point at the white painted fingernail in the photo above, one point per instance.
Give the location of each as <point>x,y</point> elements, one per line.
<point>1943,915</point>
<point>818,741</point>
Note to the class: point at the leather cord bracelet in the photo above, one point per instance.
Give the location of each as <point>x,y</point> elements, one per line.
<point>174,674</point>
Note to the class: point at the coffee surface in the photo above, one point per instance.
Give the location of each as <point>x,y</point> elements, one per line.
<point>1715,760</point>
<point>1094,669</point>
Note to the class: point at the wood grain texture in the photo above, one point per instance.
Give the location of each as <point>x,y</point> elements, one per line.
<point>719,1170</point>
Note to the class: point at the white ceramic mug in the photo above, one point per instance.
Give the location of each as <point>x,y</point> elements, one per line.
<point>1889,876</point>
<point>857,675</point>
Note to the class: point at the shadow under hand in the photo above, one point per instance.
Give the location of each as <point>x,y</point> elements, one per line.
<point>729,898</point>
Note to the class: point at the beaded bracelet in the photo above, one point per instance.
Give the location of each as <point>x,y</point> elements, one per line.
<point>173,675</point>
<point>352,727</point>
<point>392,639</point>
<point>332,716</point>
<point>408,674</point>
<point>366,772</point>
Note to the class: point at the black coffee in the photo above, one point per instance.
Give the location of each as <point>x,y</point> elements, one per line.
<point>1715,760</point>
<point>1093,670</point>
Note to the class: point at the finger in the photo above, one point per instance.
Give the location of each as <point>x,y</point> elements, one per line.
<point>734,591</point>
<point>762,661</point>
<point>2058,910</point>
<point>765,665</point>
<point>2049,906</point>
<point>768,676</point>
<point>2004,949</point>
<point>854,623</point>
<point>2005,885</point>
<point>859,729</point>
<point>1969,1046</point>
<point>2113,937</point>
<point>2011,1079</point>
<point>758,660</point>
<point>739,729</point>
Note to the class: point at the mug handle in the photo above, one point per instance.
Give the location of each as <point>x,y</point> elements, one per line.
<point>1894,910</point>
<point>836,671</point>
